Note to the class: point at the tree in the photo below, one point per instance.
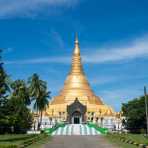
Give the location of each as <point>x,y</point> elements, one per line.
<point>134,112</point>
<point>4,88</point>
<point>21,92</point>
<point>18,115</point>
<point>42,102</point>
<point>39,93</point>
<point>17,118</point>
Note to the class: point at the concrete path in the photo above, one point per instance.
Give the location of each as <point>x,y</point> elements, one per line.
<point>79,142</point>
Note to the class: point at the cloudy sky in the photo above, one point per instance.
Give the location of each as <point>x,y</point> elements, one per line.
<point>38,36</point>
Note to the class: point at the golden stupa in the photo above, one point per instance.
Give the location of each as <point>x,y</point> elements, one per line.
<point>77,86</point>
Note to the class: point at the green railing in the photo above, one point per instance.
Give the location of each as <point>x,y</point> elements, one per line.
<point>49,131</point>
<point>100,129</point>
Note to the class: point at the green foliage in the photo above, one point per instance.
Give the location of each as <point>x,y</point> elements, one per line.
<point>14,114</point>
<point>20,92</point>
<point>3,85</point>
<point>134,111</point>
<point>15,98</point>
<point>38,92</point>
<point>19,116</point>
<point>4,88</point>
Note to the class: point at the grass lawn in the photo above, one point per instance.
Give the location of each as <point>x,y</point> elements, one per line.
<point>138,138</point>
<point>14,138</point>
<point>40,143</point>
<point>18,139</point>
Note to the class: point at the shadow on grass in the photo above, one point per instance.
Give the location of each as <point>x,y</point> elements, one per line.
<point>17,138</point>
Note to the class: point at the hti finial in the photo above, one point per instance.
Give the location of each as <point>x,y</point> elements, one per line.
<point>76,38</point>
<point>76,48</point>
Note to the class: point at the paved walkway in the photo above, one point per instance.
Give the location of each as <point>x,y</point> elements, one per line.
<point>79,142</point>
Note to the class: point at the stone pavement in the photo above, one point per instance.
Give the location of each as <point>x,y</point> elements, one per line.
<point>79,142</point>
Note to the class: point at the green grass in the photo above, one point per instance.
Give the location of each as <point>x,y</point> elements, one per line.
<point>138,138</point>
<point>18,139</point>
<point>14,138</point>
<point>40,143</point>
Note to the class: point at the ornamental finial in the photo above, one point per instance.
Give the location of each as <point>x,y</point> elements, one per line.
<point>76,48</point>
<point>76,38</point>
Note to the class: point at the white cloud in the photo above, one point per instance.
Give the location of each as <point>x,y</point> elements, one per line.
<point>29,8</point>
<point>62,60</point>
<point>99,80</point>
<point>57,38</point>
<point>116,97</point>
<point>134,49</point>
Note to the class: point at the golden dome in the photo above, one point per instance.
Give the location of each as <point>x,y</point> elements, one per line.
<point>76,84</point>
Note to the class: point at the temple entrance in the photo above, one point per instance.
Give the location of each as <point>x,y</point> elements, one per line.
<point>76,113</point>
<point>76,118</point>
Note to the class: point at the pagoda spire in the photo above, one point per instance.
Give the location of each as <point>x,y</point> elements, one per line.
<point>77,48</point>
<point>76,59</point>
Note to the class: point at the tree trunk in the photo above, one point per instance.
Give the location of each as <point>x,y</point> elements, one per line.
<point>41,117</point>
<point>38,126</point>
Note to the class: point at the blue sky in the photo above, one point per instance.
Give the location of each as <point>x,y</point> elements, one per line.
<point>38,36</point>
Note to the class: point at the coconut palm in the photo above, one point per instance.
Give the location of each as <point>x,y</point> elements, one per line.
<point>21,92</point>
<point>39,94</point>
<point>42,102</point>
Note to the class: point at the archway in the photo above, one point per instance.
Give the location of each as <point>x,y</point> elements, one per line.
<point>76,112</point>
<point>76,118</point>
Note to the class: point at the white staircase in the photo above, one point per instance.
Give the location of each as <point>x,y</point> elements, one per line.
<point>76,129</point>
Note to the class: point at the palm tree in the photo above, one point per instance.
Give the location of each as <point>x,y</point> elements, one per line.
<point>21,92</point>
<point>42,103</point>
<point>36,85</point>
<point>18,101</point>
<point>39,94</point>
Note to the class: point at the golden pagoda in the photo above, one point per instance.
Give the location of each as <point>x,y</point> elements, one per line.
<point>76,101</point>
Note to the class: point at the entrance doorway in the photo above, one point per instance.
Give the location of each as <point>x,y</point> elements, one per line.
<point>76,118</point>
<point>76,112</point>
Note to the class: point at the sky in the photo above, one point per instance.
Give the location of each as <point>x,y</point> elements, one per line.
<point>37,36</point>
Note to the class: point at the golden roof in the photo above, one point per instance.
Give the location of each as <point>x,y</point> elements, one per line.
<point>109,112</point>
<point>76,84</point>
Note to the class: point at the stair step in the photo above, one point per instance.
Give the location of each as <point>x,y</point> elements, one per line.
<point>76,129</point>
